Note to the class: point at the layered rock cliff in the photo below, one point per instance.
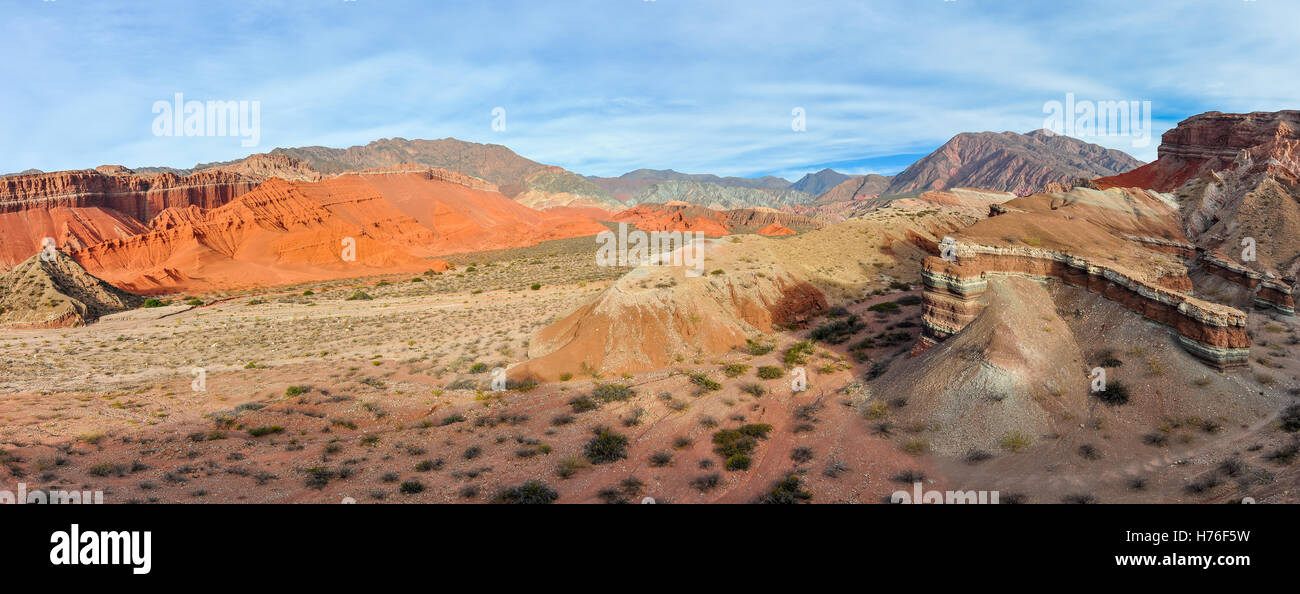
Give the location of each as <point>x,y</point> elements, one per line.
<point>1235,177</point>
<point>1121,244</point>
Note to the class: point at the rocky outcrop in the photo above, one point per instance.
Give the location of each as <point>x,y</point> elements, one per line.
<point>1235,177</point>
<point>1215,333</point>
<point>82,208</point>
<point>1123,244</point>
<point>776,230</point>
<point>1009,162</point>
<point>55,292</point>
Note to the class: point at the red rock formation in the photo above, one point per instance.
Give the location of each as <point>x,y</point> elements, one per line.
<point>1237,178</point>
<point>286,232</point>
<point>82,208</point>
<point>776,229</point>
<point>1121,244</point>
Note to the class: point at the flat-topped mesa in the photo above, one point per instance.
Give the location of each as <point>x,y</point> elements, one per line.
<point>1214,333</point>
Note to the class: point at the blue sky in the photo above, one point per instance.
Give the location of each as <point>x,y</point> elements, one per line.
<point>602,87</point>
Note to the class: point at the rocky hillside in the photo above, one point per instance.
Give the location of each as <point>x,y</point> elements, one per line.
<point>513,174</point>
<point>1009,162</point>
<point>682,216</point>
<point>1122,244</point>
<point>286,232</point>
<point>82,208</point>
<point>718,196</point>
<point>1235,177</point>
<point>57,293</point>
<point>625,186</point>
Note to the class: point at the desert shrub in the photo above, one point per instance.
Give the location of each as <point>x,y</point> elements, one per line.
<point>411,487</point>
<point>533,492</point>
<point>582,404</point>
<point>154,302</point>
<point>707,482</point>
<point>798,353</point>
<point>293,391</point>
<point>1015,441</point>
<point>735,370</point>
<point>886,307</point>
<point>1291,418</point>
<point>909,300</point>
<point>787,491</point>
<point>769,372</point>
<point>360,296</point>
<point>801,455</point>
<point>570,466</point>
<point>838,331</point>
<point>451,419</point>
<point>735,445</point>
<point>260,431</point>
<point>757,348</point>
<point>705,382</point>
<point>753,389</point>
<point>660,459</point>
<point>1115,394</point>
<point>612,393</point>
<point>606,446</point>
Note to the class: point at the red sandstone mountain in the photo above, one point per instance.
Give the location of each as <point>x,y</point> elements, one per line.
<point>681,216</point>
<point>1010,162</point>
<point>83,208</point>
<point>286,232</point>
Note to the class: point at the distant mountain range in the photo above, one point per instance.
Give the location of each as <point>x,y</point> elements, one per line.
<point>1007,161</point>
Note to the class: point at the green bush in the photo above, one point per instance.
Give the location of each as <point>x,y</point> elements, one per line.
<point>154,302</point>
<point>533,492</point>
<point>411,487</point>
<point>769,372</point>
<point>798,353</point>
<point>260,431</point>
<point>605,447</point>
